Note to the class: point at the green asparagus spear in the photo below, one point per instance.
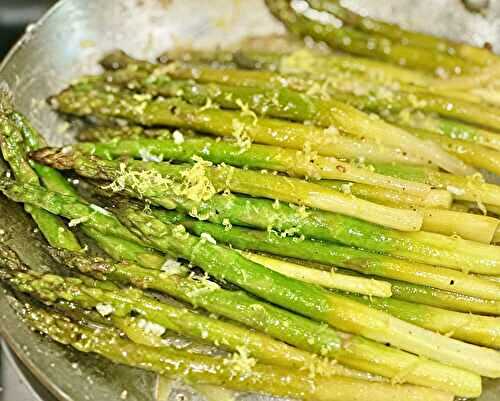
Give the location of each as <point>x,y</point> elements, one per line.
<point>11,143</point>
<point>203,180</point>
<point>56,182</point>
<point>254,156</point>
<point>305,22</point>
<point>446,128</point>
<point>448,222</point>
<point>422,247</point>
<point>473,188</point>
<point>369,25</point>
<point>233,124</point>
<point>420,294</point>
<point>471,153</point>
<point>437,198</point>
<point>119,248</point>
<point>236,305</point>
<point>465,326</point>
<point>51,288</point>
<point>106,134</point>
<point>475,329</point>
<point>69,207</point>
<point>325,279</point>
<point>335,255</point>
<point>282,103</point>
<point>307,299</point>
<point>239,373</point>
<point>304,62</point>
<point>344,87</point>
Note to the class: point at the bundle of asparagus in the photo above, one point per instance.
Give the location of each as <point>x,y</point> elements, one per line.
<point>326,253</point>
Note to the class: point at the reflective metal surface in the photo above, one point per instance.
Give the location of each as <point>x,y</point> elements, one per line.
<point>67,43</point>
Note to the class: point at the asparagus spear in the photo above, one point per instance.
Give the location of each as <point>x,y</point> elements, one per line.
<point>202,181</point>
<point>474,154</point>
<point>469,53</point>
<point>437,198</point>
<point>448,222</point>
<point>56,182</point>
<point>335,255</point>
<point>304,22</point>
<point>465,326</point>
<point>475,329</point>
<point>304,62</point>
<point>52,227</point>
<point>269,131</point>
<point>447,128</point>
<point>119,248</point>
<point>51,288</point>
<point>217,371</point>
<point>424,247</point>
<point>359,93</point>
<point>300,332</point>
<point>330,279</point>
<point>472,188</point>
<point>69,207</point>
<point>307,299</point>
<point>243,154</point>
<point>100,133</point>
<point>443,299</point>
<point>282,103</point>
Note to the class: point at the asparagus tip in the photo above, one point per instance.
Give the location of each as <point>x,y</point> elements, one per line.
<point>59,158</point>
<point>116,60</point>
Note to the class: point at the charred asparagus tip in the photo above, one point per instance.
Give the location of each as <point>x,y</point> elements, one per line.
<point>59,158</point>
<point>116,60</point>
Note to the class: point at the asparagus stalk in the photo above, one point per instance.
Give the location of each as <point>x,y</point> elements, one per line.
<point>436,198</point>
<point>119,249</point>
<point>466,225</point>
<point>309,63</point>
<point>305,22</point>
<point>100,133</point>
<point>304,62</point>
<point>307,299</point>
<point>69,207</point>
<point>300,332</point>
<point>361,94</point>
<point>217,371</point>
<point>448,222</point>
<point>51,288</point>
<point>476,258</point>
<point>137,174</point>
<point>475,329</point>
<point>474,154</point>
<point>282,103</point>
<point>369,25</point>
<point>330,279</point>
<point>335,255</point>
<point>56,182</point>
<point>268,131</point>
<point>422,247</point>
<point>292,162</point>
<point>11,144</point>
<point>446,128</point>
<point>473,188</point>
<point>443,299</point>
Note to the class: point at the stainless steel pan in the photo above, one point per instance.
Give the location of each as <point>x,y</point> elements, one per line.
<point>67,43</point>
